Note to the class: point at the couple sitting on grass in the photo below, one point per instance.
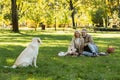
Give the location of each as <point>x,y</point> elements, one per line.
<point>82,44</point>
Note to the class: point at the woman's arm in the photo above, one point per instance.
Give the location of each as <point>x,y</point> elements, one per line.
<point>71,44</point>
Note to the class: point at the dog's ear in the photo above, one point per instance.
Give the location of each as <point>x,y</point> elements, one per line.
<point>39,41</point>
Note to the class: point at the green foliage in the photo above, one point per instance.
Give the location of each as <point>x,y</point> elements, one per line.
<point>98,15</point>
<point>51,12</point>
<point>52,67</point>
<point>5,12</point>
<point>7,16</point>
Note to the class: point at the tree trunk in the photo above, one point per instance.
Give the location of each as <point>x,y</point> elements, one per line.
<point>118,4</point>
<point>14,16</point>
<point>73,14</point>
<point>105,22</point>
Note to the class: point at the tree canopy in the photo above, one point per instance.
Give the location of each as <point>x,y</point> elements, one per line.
<point>61,13</point>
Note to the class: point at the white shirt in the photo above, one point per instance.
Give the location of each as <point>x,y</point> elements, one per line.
<point>77,42</point>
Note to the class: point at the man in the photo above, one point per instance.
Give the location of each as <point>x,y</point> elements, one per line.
<point>90,49</point>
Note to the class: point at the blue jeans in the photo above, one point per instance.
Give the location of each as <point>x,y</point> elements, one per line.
<point>86,53</point>
<point>92,49</point>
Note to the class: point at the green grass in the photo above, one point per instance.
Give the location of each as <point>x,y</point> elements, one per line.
<point>52,67</point>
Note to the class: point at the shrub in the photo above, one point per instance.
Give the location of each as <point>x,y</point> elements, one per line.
<point>106,29</point>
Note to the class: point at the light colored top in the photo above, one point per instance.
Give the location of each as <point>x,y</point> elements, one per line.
<point>77,43</point>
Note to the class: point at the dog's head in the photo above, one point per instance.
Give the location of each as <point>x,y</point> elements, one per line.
<point>37,39</point>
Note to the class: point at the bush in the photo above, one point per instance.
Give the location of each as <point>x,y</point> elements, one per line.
<point>106,29</point>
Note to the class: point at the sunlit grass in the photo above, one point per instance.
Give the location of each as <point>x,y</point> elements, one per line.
<point>9,60</point>
<point>52,67</point>
<point>108,35</point>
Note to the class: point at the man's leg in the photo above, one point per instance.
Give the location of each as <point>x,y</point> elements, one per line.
<point>87,53</point>
<point>93,48</point>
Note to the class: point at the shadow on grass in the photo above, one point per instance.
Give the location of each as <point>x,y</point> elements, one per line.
<point>27,38</point>
<point>8,54</point>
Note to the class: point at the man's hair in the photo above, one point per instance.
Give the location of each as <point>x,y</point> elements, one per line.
<point>84,30</point>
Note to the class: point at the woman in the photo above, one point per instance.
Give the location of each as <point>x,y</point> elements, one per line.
<point>77,44</point>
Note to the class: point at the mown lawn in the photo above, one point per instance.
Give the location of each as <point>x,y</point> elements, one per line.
<point>53,67</point>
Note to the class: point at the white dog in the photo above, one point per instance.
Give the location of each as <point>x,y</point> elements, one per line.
<point>28,55</point>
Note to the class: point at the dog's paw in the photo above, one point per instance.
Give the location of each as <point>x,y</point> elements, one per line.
<point>14,66</point>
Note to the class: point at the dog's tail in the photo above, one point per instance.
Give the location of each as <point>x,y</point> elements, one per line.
<point>14,66</point>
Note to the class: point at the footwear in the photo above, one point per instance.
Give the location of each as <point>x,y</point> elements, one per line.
<point>94,54</point>
<point>102,54</point>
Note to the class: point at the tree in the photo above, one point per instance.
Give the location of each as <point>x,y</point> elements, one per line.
<point>73,13</point>
<point>14,16</point>
<point>35,12</point>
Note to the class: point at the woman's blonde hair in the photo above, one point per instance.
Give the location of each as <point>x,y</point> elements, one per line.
<point>78,32</point>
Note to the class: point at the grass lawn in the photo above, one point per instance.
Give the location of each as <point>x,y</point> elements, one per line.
<point>53,67</point>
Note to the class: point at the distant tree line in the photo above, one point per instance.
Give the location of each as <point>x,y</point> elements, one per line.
<point>60,13</point>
